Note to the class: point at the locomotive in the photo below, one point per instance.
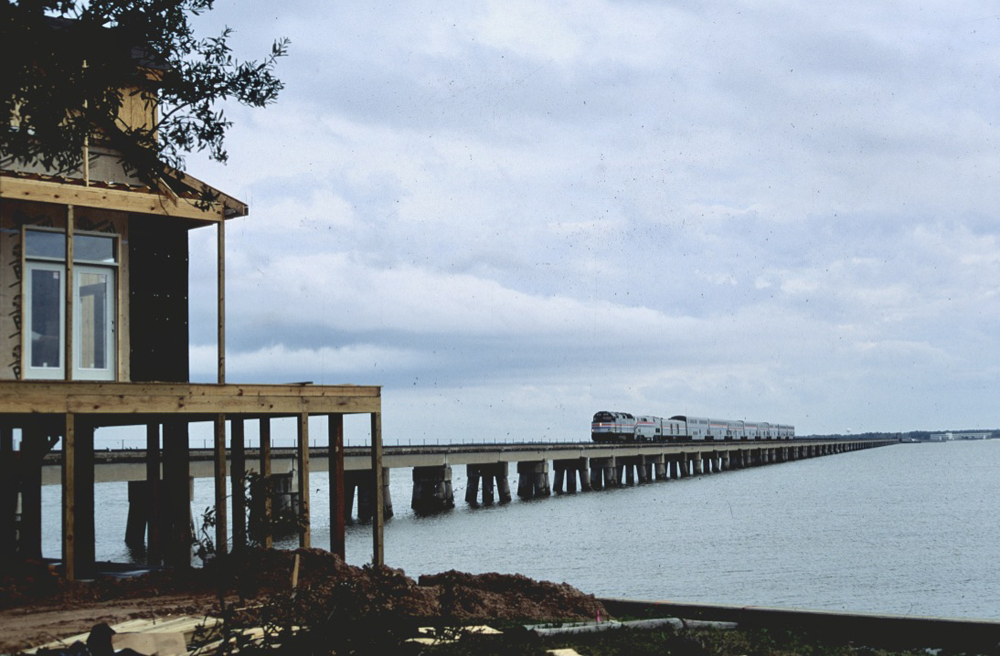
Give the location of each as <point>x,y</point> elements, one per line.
<point>625,427</point>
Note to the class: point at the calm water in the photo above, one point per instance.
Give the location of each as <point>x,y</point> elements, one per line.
<point>907,529</point>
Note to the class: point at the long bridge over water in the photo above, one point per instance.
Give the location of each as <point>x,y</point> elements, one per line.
<point>583,466</point>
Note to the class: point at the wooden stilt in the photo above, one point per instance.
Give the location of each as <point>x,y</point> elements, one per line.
<point>34,446</point>
<point>336,451</point>
<point>267,538</point>
<point>83,494</point>
<point>69,498</point>
<point>378,520</point>
<point>9,473</point>
<point>238,483</point>
<point>302,453</point>
<point>221,520</point>
<point>177,490</point>
<point>153,553</point>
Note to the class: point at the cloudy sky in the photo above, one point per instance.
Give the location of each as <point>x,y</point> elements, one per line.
<point>513,214</point>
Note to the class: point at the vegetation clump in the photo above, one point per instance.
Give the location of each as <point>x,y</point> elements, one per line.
<point>69,66</point>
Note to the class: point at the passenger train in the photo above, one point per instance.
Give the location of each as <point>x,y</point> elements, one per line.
<point>625,427</point>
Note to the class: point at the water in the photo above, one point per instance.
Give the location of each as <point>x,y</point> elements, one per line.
<point>911,529</point>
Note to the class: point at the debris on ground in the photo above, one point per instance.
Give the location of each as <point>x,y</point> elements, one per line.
<point>37,607</point>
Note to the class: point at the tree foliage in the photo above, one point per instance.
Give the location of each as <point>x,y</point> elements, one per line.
<point>69,65</point>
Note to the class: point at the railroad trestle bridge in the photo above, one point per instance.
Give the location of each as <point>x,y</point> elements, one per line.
<point>573,467</point>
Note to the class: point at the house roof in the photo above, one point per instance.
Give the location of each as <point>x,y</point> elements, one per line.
<point>174,193</point>
<point>184,197</point>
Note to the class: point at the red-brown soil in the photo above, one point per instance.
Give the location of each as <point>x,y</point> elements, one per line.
<point>36,606</point>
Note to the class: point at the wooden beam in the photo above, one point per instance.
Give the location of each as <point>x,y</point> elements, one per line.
<point>286,406</point>
<point>336,456</point>
<point>122,328</point>
<point>306,391</point>
<point>51,397</point>
<point>378,517</point>
<point>69,303</point>
<point>221,284</point>
<point>234,206</point>
<point>221,520</point>
<point>266,483</point>
<point>303,466</point>
<point>134,201</point>
<point>69,499</point>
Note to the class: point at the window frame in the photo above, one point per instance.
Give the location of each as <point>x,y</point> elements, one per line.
<point>57,372</point>
<point>111,314</point>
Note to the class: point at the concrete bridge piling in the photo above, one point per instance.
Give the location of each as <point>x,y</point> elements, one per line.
<point>359,483</point>
<point>432,489</point>
<point>603,473</point>
<point>533,479</point>
<point>493,476</point>
<point>568,472</point>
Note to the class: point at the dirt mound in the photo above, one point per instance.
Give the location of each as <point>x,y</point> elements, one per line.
<point>37,603</point>
<point>510,596</point>
<point>450,594</point>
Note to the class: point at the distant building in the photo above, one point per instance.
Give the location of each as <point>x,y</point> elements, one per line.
<point>967,435</point>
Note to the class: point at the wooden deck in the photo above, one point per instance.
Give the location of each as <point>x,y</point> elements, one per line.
<point>67,413</point>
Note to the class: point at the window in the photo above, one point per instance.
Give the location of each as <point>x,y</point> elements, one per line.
<point>94,309</point>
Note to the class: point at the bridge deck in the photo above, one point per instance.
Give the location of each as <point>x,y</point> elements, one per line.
<point>130,464</point>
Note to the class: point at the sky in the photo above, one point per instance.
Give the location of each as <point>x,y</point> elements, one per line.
<point>512,215</point>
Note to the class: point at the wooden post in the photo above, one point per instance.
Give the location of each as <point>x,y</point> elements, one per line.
<point>33,449</point>
<point>9,473</point>
<point>83,495</point>
<point>69,300</point>
<point>177,475</point>
<point>238,483</point>
<point>265,475</point>
<point>302,453</point>
<point>153,488</point>
<point>336,451</point>
<point>378,519</point>
<point>86,140</point>
<point>221,270</point>
<point>221,522</point>
<point>69,498</point>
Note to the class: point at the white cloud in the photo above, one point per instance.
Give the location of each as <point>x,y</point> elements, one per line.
<point>278,362</point>
<point>759,209</point>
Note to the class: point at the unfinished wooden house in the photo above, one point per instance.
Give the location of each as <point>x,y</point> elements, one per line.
<point>94,333</point>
